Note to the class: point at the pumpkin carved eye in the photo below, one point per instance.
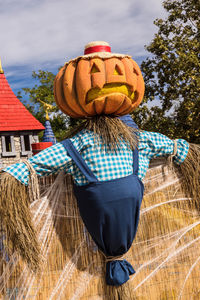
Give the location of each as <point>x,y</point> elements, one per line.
<point>94,68</point>
<point>135,71</point>
<point>118,70</point>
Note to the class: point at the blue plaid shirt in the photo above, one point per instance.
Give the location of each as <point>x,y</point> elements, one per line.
<point>106,165</point>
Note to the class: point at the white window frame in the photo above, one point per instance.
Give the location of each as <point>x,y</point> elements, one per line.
<point>12,142</point>
<point>24,152</point>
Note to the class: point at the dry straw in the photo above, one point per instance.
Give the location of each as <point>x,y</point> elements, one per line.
<point>16,220</point>
<point>190,170</point>
<point>109,131</point>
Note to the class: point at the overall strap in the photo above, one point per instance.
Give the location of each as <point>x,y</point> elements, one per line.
<point>79,161</point>
<point>135,161</point>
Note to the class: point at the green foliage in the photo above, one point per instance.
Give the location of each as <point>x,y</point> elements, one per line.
<point>171,73</point>
<point>44,91</point>
<point>154,119</point>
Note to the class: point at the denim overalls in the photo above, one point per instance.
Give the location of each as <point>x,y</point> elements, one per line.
<point>110,212</point>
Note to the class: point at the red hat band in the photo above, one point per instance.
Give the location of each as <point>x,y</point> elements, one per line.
<point>99,48</point>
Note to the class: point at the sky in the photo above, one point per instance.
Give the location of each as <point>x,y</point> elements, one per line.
<point>44,34</point>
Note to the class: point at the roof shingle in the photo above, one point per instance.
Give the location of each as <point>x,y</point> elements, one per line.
<point>13,114</point>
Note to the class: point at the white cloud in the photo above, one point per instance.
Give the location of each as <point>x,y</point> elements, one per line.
<point>48,32</point>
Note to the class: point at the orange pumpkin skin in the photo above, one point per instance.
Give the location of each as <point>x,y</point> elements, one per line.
<point>78,79</point>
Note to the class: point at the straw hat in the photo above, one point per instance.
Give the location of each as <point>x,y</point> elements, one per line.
<point>98,49</point>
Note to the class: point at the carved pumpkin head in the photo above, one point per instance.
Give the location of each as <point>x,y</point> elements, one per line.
<point>99,83</point>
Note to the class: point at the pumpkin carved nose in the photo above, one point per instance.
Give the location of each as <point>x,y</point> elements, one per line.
<point>118,70</point>
<point>94,69</point>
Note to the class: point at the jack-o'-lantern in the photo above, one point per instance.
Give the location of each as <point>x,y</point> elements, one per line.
<point>99,83</point>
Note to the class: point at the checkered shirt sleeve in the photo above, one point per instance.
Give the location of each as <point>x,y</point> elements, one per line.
<point>153,144</point>
<point>105,165</point>
<point>48,161</point>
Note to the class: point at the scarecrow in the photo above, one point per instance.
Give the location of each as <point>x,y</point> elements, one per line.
<point>107,156</point>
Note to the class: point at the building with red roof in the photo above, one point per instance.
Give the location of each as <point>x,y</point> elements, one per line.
<point>18,127</point>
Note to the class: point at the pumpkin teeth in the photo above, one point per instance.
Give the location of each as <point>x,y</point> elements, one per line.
<point>109,88</point>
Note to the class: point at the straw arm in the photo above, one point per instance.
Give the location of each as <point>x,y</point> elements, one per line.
<point>16,220</point>
<point>190,171</point>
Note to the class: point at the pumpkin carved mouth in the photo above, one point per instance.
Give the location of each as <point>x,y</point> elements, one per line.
<point>108,89</point>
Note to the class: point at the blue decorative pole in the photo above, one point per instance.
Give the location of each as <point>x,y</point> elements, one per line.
<point>48,133</point>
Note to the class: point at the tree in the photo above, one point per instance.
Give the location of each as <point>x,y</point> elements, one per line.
<point>44,91</point>
<point>171,73</point>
